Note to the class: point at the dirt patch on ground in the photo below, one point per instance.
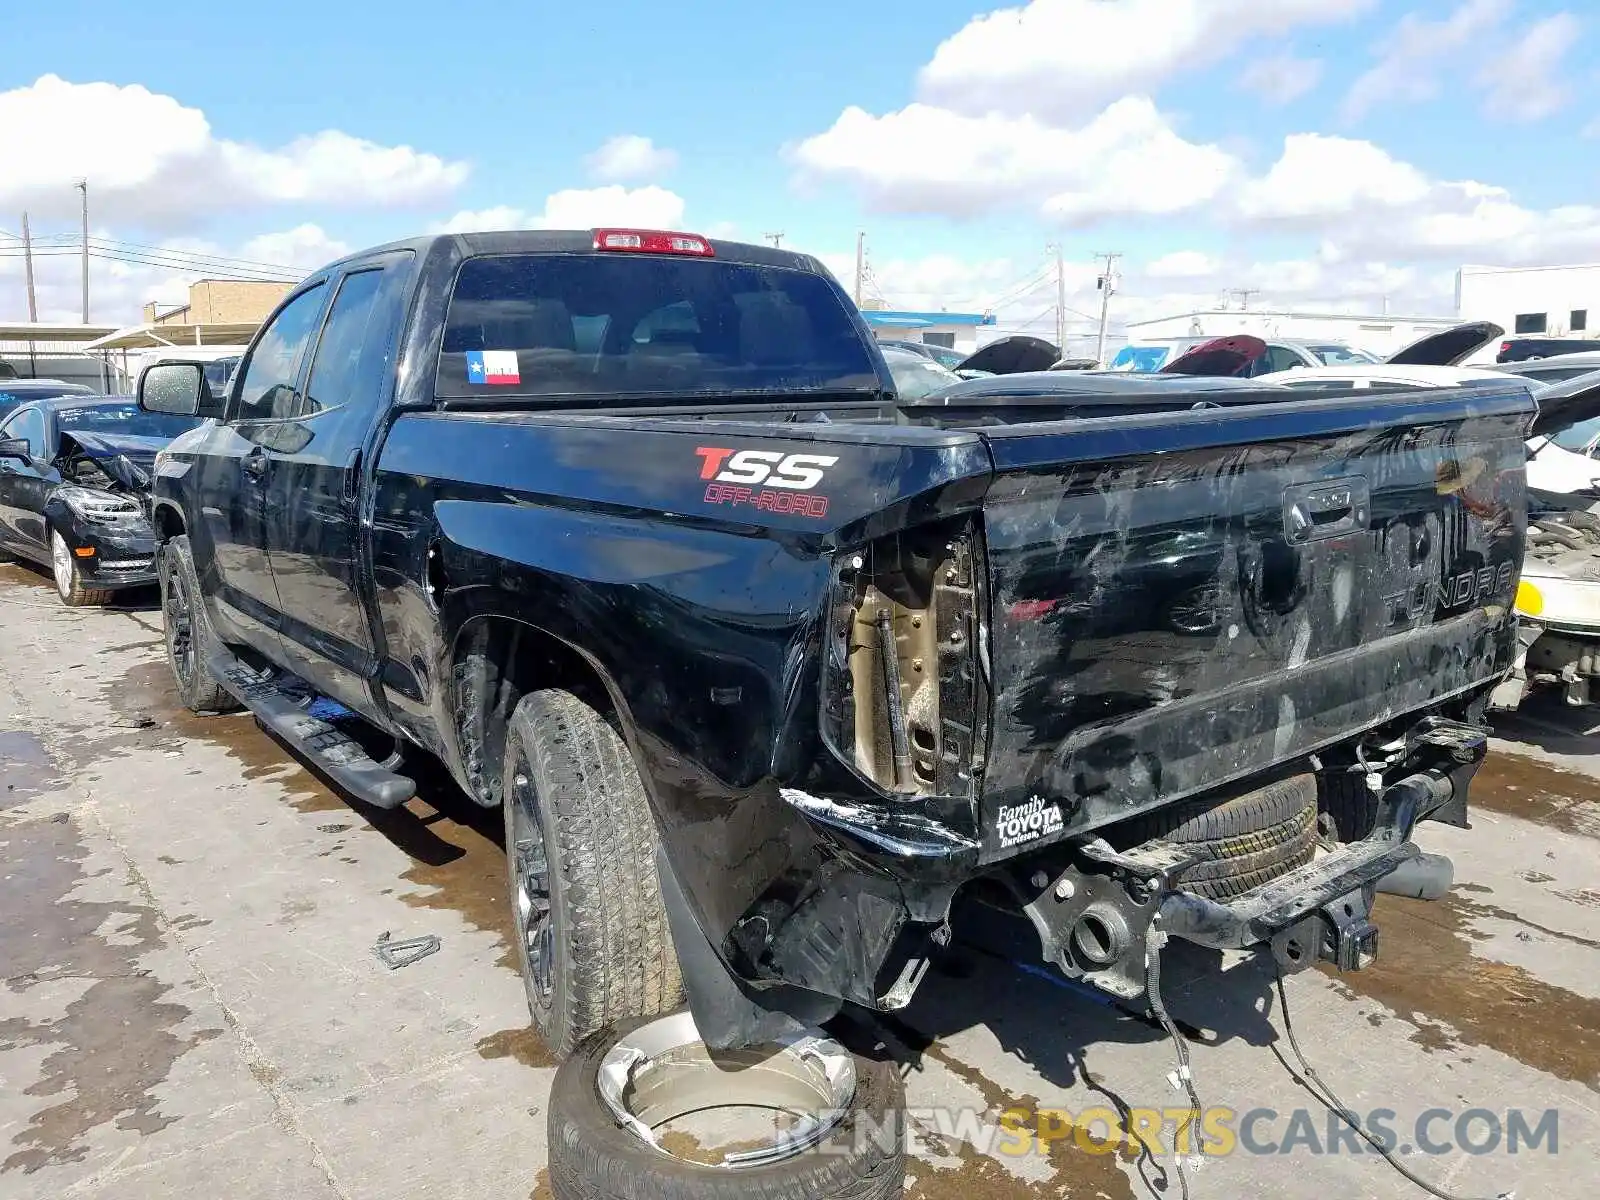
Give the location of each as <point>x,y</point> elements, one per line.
<point>152,716</point>
<point>1074,1173</point>
<point>1536,791</point>
<point>112,1045</point>
<point>454,844</point>
<point>524,1045</point>
<point>1428,974</point>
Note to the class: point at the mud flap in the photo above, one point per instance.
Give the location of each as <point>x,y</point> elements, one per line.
<point>726,1014</point>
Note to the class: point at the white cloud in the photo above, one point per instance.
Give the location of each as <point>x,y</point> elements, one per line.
<point>937,281</point>
<point>928,159</point>
<point>1063,59</point>
<point>1319,176</point>
<point>648,207</point>
<point>151,160</point>
<point>479,220</point>
<point>1183,264</point>
<point>1363,203</point>
<point>1410,54</point>
<point>1281,78</point>
<point>305,246</point>
<point>1525,82</point>
<point>629,158</point>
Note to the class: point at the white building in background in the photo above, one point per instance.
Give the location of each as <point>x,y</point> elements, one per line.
<point>1556,301</point>
<point>1382,334</point>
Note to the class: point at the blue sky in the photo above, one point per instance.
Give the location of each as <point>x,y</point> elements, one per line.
<point>1330,152</point>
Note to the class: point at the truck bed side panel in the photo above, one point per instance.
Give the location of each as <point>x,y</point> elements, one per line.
<point>702,616</point>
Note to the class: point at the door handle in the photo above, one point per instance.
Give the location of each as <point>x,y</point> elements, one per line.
<point>1312,512</point>
<point>255,463</point>
<point>352,477</point>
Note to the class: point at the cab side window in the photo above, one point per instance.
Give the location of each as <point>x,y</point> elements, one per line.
<point>271,373</point>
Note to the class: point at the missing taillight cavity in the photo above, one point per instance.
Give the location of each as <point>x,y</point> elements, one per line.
<point>904,701</point>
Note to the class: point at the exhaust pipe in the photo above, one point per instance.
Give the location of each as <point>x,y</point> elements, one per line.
<point>1426,877</point>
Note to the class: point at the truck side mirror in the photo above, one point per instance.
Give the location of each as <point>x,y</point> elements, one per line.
<point>177,389</point>
<point>16,448</point>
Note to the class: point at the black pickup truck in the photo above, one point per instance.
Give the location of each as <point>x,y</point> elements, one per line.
<point>630,531</point>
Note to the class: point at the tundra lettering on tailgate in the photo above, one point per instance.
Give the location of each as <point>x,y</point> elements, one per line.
<point>768,480</point>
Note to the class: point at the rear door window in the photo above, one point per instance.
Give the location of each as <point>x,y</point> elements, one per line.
<point>553,325</point>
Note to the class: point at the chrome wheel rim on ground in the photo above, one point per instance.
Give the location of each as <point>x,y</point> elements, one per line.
<point>530,887</point>
<point>61,563</point>
<point>179,621</point>
<point>741,1108</point>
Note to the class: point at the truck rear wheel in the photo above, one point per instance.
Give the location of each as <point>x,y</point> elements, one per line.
<point>591,927</point>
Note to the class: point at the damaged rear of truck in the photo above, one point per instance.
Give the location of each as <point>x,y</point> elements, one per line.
<point>766,666</point>
<point>1205,669</point>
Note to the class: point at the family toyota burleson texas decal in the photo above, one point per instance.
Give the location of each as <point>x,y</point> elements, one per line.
<point>769,480</point>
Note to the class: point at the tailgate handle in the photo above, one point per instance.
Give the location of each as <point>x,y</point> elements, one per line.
<point>1313,511</point>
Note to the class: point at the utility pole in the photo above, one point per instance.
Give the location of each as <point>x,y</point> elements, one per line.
<point>1061,304</point>
<point>775,238</point>
<point>27,269</point>
<point>861,262</point>
<point>83,186</point>
<point>1108,284</point>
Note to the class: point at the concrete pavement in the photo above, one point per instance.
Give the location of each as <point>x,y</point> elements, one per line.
<point>192,1007</point>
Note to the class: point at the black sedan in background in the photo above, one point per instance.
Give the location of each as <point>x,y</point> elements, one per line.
<point>74,480</point>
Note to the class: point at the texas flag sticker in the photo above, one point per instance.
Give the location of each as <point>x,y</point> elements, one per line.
<point>492,366</point>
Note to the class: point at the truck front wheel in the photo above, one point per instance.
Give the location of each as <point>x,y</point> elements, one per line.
<point>188,633</point>
<point>591,928</point>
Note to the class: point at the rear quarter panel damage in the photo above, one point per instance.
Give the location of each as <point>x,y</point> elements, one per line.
<point>703,618</point>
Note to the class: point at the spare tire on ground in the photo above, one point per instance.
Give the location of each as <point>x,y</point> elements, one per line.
<point>1245,841</point>
<point>700,1126</point>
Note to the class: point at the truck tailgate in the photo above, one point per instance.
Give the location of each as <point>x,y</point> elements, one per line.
<point>1180,600</point>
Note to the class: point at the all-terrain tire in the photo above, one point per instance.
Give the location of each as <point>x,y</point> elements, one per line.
<point>1246,841</point>
<point>612,957</point>
<point>592,1158</point>
<point>183,608</point>
<point>72,591</point>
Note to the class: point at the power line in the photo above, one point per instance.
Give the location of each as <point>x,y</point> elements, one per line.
<point>165,255</point>
<point>1018,291</point>
<point>186,262</point>
<point>1033,320</point>
<point>195,254</point>
<point>215,273</point>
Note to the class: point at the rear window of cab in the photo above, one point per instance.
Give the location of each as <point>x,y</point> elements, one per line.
<point>551,325</point>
